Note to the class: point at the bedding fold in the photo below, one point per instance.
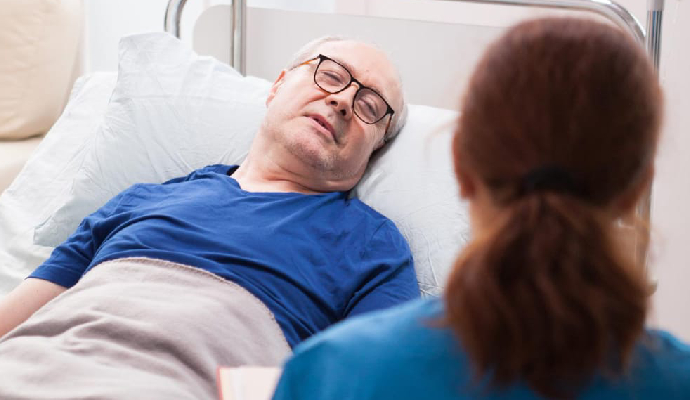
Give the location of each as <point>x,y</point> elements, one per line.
<point>138,328</point>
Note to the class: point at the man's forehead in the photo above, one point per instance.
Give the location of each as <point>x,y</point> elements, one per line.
<point>366,63</point>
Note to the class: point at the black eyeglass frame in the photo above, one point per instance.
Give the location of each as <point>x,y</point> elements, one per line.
<point>389,110</point>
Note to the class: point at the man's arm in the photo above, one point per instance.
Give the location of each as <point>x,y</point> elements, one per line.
<point>24,300</point>
<point>65,266</point>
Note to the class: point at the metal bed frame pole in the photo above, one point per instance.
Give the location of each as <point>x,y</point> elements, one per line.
<point>655,12</point>
<point>609,9</point>
<point>173,13</point>
<point>239,36</point>
<point>171,24</point>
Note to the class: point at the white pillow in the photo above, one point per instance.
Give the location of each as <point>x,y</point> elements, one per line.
<point>45,180</point>
<point>173,111</point>
<point>412,182</point>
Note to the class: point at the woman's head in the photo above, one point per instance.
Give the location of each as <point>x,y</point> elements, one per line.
<point>556,139</point>
<point>566,94</point>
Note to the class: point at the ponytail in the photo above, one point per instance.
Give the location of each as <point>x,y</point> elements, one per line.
<point>546,296</point>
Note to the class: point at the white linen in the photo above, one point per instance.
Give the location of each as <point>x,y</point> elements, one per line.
<point>413,183</point>
<point>171,112</point>
<point>46,179</point>
<point>13,156</point>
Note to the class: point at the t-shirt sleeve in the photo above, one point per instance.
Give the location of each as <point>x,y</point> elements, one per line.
<point>69,261</point>
<point>391,279</point>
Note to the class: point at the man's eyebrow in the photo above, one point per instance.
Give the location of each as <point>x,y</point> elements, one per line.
<point>352,72</point>
<point>344,63</point>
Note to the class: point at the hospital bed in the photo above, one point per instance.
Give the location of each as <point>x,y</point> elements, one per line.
<point>169,110</point>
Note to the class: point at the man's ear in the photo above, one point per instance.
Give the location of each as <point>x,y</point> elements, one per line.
<point>274,89</point>
<point>380,143</point>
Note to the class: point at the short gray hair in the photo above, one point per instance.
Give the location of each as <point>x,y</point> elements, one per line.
<point>307,51</point>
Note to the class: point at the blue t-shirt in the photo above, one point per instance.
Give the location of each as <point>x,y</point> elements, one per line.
<point>312,259</point>
<point>398,354</point>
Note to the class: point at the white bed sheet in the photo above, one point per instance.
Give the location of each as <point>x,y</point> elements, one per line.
<point>43,183</point>
<point>13,156</point>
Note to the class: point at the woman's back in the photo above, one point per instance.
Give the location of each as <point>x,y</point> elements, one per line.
<point>402,354</point>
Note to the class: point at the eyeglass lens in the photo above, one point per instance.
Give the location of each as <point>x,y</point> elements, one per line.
<point>368,105</point>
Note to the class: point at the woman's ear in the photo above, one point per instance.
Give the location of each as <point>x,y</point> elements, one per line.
<point>625,205</point>
<point>466,181</point>
<point>468,186</point>
<point>274,88</point>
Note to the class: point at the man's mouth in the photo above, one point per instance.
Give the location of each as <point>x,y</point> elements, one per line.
<point>324,124</point>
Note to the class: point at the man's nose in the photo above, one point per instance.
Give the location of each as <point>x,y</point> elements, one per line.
<point>342,101</point>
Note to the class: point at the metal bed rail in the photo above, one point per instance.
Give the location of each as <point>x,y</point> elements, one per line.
<point>173,16</point>
<point>650,39</point>
<point>608,9</point>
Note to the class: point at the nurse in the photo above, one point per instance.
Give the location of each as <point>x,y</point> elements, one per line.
<point>555,143</point>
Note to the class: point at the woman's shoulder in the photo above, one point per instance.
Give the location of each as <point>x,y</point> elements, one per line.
<point>664,359</point>
<point>665,344</point>
<point>390,340</point>
<point>411,331</point>
<point>659,368</point>
<point>408,351</point>
<point>419,320</point>
<point>385,350</point>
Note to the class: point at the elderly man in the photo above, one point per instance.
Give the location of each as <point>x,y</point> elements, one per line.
<point>229,265</point>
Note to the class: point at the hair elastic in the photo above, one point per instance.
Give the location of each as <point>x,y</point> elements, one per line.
<point>550,178</point>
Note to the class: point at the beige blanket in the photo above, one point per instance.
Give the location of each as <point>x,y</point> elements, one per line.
<point>138,329</point>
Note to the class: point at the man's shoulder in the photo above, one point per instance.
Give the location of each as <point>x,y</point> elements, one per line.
<point>220,169</point>
<point>145,190</point>
<point>201,173</point>
<point>357,205</point>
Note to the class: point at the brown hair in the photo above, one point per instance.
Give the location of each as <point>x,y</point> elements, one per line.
<point>546,295</point>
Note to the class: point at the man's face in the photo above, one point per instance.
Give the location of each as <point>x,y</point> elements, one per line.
<point>318,129</point>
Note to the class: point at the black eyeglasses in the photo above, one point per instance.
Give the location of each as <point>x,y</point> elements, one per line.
<point>368,104</point>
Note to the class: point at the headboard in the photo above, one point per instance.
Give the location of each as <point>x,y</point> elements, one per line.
<point>254,40</point>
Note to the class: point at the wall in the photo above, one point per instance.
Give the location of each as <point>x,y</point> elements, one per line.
<point>671,192</point>
<point>108,20</point>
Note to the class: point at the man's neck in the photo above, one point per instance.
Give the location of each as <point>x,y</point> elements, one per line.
<point>271,168</point>
<point>269,177</point>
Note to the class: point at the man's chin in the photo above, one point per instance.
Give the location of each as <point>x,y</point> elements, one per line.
<point>323,171</point>
<point>314,157</point>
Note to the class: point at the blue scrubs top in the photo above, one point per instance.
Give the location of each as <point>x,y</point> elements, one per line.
<point>398,354</point>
